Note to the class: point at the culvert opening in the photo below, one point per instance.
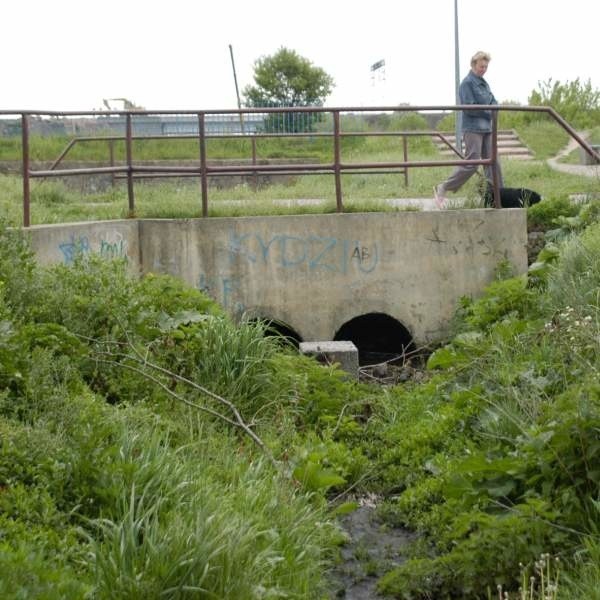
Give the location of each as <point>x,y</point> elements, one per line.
<point>378,337</point>
<point>282,331</point>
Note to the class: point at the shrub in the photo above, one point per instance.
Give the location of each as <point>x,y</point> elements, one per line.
<point>576,278</point>
<point>543,216</point>
<point>38,562</point>
<point>577,102</point>
<point>17,270</point>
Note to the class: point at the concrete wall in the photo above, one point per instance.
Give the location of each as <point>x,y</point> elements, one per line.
<point>111,239</point>
<point>316,272</point>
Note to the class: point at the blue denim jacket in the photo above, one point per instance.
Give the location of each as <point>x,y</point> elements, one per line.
<point>475,90</point>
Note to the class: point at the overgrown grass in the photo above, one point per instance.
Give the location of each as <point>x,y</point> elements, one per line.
<point>54,202</point>
<point>93,199</point>
<point>492,461</point>
<point>114,480</point>
<point>200,523</point>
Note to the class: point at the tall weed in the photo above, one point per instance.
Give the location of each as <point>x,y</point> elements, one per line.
<point>576,280</point>
<point>227,536</point>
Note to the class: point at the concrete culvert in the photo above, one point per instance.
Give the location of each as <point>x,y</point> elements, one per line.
<point>282,330</point>
<point>378,337</point>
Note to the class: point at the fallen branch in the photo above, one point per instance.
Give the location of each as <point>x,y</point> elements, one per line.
<point>112,358</point>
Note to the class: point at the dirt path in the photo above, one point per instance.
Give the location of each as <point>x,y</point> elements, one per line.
<point>585,170</point>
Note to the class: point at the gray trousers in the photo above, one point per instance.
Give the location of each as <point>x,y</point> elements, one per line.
<point>477,146</point>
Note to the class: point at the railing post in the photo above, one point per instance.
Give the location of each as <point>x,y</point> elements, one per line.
<point>203,172</point>
<point>337,161</point>
<point>129,156</point>
<point>494,157</point>
<point>25,148</point>
<point>111,158</point>
<point>255,175</point>
<point>405,151</point>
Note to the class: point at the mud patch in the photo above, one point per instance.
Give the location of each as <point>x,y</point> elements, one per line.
<point>373,548</point>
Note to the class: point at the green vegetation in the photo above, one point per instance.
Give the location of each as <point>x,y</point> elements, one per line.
<point>576,101</point>
<point>152,448</point>
<point>286,79</point>
<point>494,460</point>
<point>117,476</point>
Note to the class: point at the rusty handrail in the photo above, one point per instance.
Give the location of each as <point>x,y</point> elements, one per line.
<point>25,168</point>
<point>336,168</point>
<point>253,137</point>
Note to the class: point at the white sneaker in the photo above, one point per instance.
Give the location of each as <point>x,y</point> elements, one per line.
<point>439,197</point>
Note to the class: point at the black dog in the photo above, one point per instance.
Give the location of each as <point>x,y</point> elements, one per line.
<point>511,197</point>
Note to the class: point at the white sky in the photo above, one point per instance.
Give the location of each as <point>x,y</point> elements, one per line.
<point>70,54</point>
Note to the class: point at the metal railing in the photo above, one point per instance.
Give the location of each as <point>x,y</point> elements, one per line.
<point>130,170</point>
<point>253,137</point>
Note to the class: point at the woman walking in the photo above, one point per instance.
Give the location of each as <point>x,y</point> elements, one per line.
<point>477,129</point>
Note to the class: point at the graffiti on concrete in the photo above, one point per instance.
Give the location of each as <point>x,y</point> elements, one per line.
<point>315,252</point>
<point>227,287</point>
<point>74,247</point>
<point>113,245</point>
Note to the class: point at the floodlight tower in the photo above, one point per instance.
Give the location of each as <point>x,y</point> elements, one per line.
<point>378,71</point>
<point>458,117</point>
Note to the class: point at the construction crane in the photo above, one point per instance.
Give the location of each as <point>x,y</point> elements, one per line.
<point>127,104</point>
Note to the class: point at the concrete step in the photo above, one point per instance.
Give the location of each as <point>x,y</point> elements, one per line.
<point>506,152</point>
<point>509,145</point>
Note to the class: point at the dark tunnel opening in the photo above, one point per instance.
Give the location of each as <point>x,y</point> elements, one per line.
<point>378,337</point>
<point>282,331</point>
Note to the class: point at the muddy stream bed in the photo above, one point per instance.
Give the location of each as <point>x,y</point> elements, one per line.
<point>372,548</point>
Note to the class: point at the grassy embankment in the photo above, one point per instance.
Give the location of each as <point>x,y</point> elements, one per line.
<point>119,480</point>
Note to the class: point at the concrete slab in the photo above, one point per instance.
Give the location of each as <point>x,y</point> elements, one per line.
<point>342,352</point>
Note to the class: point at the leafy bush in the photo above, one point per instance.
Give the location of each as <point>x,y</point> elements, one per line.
<point>576,101</point>
<point>500,299</point>
<point>17,269</point>
<point>494,463</point>
<point>543,216</point>
<point>489,557</point>
<point>34,562</point>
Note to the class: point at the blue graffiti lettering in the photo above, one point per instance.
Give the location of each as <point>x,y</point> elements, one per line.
<point>265,247</point>
<point>235,246</point>
<point>315,252</point>
<point>74,248</point>
<point>284,241</point>
<point>317,261</point>
<point>113,249</point>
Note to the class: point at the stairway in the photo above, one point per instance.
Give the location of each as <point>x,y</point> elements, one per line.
<point>509,145</point>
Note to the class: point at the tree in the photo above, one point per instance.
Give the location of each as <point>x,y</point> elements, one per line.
<point>287,79</point>
<point>577,102</point>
